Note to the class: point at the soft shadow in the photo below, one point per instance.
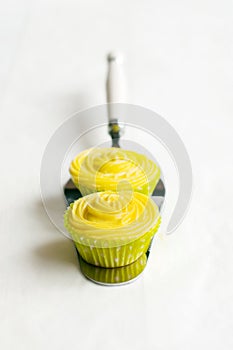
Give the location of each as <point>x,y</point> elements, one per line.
<point>57,252</point>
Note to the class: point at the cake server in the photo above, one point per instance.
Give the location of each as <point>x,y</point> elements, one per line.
<point>116,93</point>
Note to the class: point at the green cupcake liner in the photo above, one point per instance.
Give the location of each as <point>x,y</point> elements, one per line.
<point>117,256</point>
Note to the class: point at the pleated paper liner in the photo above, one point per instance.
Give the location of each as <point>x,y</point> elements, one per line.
<point>120,255</point>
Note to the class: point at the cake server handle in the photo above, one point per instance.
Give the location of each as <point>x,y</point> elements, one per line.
<point>116,82</point>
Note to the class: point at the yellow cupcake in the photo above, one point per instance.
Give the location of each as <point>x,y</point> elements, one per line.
<point>101,169</point>
<point>112,229</point>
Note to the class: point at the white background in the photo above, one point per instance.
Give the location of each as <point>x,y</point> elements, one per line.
<point>179,63</point>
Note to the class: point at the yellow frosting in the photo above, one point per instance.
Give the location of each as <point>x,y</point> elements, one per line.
<point>100,169</point>
<point>108,219</point>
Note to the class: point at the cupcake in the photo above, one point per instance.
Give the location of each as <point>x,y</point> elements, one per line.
<point>102,169</point>
<point>112,229</point>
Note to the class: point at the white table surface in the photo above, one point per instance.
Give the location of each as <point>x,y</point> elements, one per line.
<point>179,56</point>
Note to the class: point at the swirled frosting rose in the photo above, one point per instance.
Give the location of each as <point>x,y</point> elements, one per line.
<point>100,169</point>
<point>109,219</point>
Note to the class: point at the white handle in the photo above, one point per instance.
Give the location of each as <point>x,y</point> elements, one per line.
<point>116,84</point>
